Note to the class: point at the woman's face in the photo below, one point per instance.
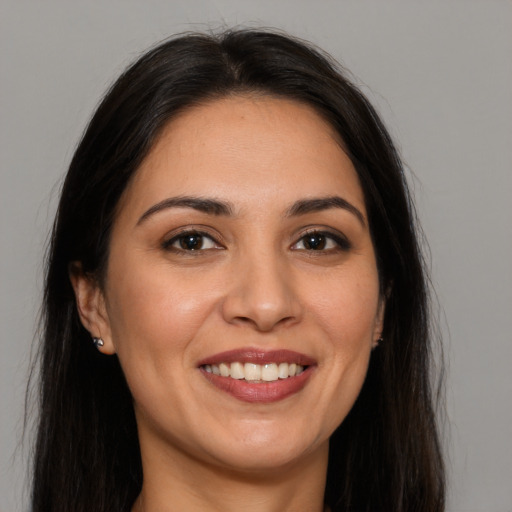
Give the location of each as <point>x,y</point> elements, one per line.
<point>242,247</point>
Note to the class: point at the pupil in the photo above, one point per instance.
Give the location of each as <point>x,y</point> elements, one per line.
<point>315,242</point>
<point>191,242</point>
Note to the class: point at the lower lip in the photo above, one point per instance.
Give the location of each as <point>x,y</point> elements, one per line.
<point>260,392</point>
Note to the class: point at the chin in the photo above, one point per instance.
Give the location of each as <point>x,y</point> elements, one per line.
<point>264,450</point>
<point>268,461</point>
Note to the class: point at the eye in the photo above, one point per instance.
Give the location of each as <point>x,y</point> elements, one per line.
<point>191,241</point>
<point>321,241</point>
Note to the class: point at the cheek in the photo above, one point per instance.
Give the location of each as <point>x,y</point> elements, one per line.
<point>347,308</point>
<point>155,319</point>
<point>348,314</point>
<point>154,313</point>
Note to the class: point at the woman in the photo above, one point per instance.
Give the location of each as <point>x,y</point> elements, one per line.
<point>236,312</point>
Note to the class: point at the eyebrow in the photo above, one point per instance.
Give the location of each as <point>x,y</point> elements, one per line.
<point>209,206</point>
<point>223,208</point>
<point>324,203</point>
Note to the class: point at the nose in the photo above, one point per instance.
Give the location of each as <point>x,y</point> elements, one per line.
<point>262,294</point>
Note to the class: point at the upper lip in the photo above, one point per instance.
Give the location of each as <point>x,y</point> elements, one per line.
<point>258,356</point>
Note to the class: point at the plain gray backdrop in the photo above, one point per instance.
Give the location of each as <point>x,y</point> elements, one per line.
<point>440,73</point>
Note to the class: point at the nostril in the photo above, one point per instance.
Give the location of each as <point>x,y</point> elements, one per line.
<point>262,300</point>
<point>263,324</point>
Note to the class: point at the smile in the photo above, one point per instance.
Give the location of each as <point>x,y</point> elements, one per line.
<point>254,375</point>
<point>251,372</point>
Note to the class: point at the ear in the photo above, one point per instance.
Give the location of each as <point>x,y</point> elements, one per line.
<point>379,321</point>
<point>91,307</point>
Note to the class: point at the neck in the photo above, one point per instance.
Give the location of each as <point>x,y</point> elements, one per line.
<point>180,483</point>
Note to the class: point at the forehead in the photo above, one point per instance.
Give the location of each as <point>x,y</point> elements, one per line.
<point>245,146</point>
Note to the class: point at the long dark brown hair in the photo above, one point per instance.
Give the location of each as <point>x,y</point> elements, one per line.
<point>386,455</point>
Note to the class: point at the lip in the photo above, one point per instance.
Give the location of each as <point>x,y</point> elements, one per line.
<point>259,392</point>
<point>258,356</point>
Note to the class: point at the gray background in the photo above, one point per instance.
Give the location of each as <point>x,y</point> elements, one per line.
<point>440,72</point>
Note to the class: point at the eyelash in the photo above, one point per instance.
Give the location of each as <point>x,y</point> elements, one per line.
<point>341,243</point>
<point>168,244</point>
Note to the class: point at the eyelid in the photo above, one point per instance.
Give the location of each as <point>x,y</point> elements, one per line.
<point>342,242</point>
<point>174,236</point>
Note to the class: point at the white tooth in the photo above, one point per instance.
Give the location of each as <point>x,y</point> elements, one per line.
<point>252,371</point>
<point>237,371</point>
<point>269,372</point>
<point>208,368</point>
<point>224,369</point>
<point>283,370</point>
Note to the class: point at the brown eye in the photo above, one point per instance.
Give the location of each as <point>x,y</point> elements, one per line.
<point>321,241</point>
<point>191,241</point>
<point>314,241</point>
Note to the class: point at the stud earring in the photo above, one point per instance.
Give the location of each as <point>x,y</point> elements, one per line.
<point>377,342</point>
<point>98,342</point>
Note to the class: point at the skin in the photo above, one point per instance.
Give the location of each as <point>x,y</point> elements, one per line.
<point>255,283</point>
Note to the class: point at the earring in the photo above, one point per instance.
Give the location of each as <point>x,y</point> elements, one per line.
<point>377,342</point>
<point>98,342</point>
